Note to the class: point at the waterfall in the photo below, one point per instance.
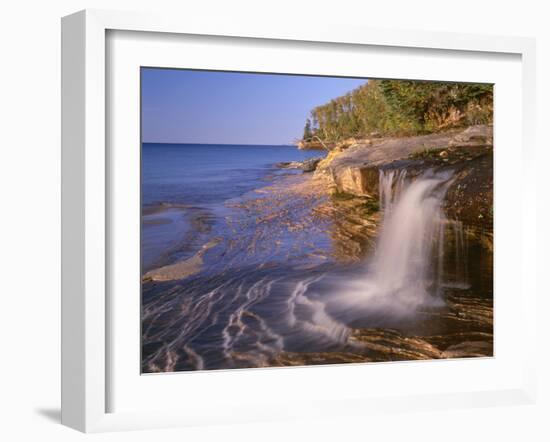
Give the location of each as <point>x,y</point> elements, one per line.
<point>460,244</point>
<point>409,259</point>
<point>418,254</point>
<point>390,185</point>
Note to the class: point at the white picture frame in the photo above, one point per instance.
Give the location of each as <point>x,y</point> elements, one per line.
<point>86,316</point>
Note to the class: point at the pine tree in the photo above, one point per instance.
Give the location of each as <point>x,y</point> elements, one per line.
<point>307,130</point>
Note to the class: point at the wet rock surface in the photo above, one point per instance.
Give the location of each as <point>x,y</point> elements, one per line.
<point>461,329</point>
<point>241,304</point>
<point>468,153</point>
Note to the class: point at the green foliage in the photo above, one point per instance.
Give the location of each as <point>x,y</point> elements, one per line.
<point>426,153</point>
<point>369,205</point>
<point>307,130</point>
<point>401,107</point>
<point>343,196</point>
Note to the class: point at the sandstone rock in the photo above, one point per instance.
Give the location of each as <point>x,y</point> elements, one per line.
<point>473,136</point>
<point>356,169</point>
<point>310,165</point>
<point>181,269</point>
<point>306,166</point>
<point>469,350</point>
<point>315,145</point>
<point>342,145</point>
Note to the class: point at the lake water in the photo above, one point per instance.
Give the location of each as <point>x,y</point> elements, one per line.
<point>181,181</point>
<point>206,174</point>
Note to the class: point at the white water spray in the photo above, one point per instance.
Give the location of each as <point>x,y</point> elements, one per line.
<point>408,267</point>
<point>390,185</point>
<point>408,264</point>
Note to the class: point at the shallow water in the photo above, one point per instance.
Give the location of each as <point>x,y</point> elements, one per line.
<point>185,188</point>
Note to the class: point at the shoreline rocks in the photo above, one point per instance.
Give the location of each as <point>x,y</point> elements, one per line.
<point>180,269</point>
<point>468,153</point>
<point>314,145</point>
<point>306,166</point>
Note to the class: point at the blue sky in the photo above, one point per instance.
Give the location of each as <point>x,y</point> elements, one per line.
<point>184,106</point>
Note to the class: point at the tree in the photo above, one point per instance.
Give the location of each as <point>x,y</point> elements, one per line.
<point>401,107</point>
<point>307,130</point>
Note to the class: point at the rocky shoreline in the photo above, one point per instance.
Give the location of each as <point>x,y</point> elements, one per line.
<point>324,222</point>
<point>352,169</point>
<point>350,174</point>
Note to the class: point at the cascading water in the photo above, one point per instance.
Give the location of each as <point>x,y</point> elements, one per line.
<point>408,264</point>
<point>460,244</point>
<point>390,185</point>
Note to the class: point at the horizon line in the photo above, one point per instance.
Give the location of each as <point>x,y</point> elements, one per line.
<point>217,144</point>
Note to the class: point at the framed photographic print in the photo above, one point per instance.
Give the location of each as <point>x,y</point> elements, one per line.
<point>291,223</point>
<point>369,240</point>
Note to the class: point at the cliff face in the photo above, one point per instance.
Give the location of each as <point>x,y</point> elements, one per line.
<point>468,153</point>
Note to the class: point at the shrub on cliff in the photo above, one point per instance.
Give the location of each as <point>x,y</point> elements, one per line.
<point>401,107</point>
